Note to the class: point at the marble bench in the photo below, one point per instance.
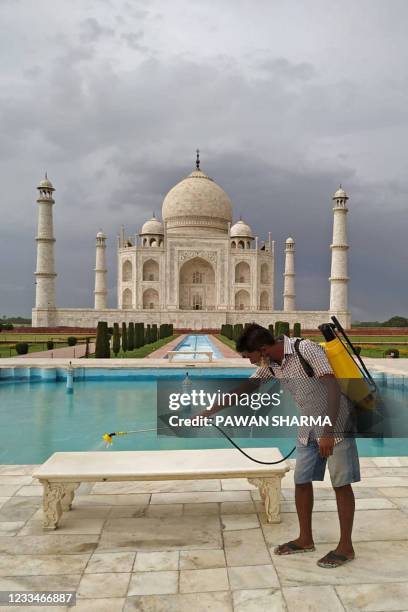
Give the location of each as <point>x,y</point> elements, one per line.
<point>171,354</point>
<point>63,472</point>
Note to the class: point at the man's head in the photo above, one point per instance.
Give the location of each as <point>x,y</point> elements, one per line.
<point>255,343</point>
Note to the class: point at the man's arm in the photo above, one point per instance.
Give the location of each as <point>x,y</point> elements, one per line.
<point>326,443</point>
<point>247,387</point>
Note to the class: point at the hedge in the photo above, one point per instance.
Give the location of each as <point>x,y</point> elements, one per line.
<point>131,337</point>
<point>102,349</point>
<point>124,338</point>
<point>22,348</point>
<point>116,339</point>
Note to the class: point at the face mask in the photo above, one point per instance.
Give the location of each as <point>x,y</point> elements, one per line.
<point>263,361</point>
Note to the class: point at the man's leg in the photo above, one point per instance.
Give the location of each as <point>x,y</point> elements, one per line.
<point>344,469</point>
<point>345,509</point>
<point>304,508</point>
<point>309,466</point>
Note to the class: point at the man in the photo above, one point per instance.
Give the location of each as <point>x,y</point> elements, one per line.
<point>315,446</point>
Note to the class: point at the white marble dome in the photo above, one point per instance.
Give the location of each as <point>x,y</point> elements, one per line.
<point>340,193</point>
<point>45,183</point>
<point>240,229</point>
<point>197,205</point>
<point>152,226</point>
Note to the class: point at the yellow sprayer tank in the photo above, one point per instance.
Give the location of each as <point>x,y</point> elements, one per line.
<point>348,374</point>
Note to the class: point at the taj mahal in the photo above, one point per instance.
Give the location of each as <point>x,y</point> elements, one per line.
<point>196,268</point>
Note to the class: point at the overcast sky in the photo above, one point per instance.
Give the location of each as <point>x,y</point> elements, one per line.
<point>285,100</point>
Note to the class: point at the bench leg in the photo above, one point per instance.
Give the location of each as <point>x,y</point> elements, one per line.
<point>53,494</point>
<point>270,490</point>
<point>70,488</point>
<point>57,497</point>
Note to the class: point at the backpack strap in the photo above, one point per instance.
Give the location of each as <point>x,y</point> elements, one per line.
<point>305,364</point>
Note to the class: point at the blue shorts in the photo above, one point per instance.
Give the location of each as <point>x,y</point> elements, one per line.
<point>344,466</point>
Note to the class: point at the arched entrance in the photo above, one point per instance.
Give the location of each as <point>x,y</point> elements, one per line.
<point>197,285</point>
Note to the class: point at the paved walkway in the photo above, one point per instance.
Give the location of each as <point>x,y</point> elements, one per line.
<point>205,545</point>
<point>76,352</point>
<point>163,350</point>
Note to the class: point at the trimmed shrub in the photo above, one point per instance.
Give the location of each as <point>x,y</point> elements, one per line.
<point>392,352</point>
<point>72,340</point>
<point>282,327</point>
<point>50,345</point>
<point>22,348</point>
<point>227,330</point>
<point>238,329</point>
<point>297,330</point>
<point>102,350</point>
<point>131,337</point>
<point>116,339</point>
<point>124,338</point>
<point>147,334</point>
<point>140,335</point>
<point>154,332</point>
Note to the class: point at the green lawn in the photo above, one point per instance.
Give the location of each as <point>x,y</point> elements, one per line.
<point>7,337</point>
<point>8,350</point>
<point>227,341</point>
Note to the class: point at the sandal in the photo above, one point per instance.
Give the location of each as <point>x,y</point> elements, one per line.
<point>333,559</point>
<point>293,548</point>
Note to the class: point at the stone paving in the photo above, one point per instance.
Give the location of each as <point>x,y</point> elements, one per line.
<point>205,545</point>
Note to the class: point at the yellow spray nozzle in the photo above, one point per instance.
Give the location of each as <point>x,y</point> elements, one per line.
<point>107,438</point>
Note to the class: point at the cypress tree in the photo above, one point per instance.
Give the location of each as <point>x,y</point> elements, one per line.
<point>131,337</point>
<point>116,339</point>
<point>147,334</point>
<point>102,350</point>
<point>141,334</point>
<point>124,338</point>
<point>297,330</point>
<point>154,332</point>
<point>238,329</point>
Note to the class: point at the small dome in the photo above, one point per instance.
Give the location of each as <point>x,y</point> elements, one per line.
<point>100,235</point>
<point>45,183</point>
<point>241,229</point>
<point>152,226</point>
<point>289,240</point>
<point>340,193</point>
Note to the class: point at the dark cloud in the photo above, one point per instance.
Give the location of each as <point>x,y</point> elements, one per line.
<point>113,101</point>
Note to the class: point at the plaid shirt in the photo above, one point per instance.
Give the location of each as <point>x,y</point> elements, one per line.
<point>309,395</point>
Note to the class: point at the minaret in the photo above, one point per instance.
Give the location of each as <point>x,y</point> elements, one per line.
<point>44,273</point>
<point>289,276</point>
<point>101,291</point>
<point>339,247</point>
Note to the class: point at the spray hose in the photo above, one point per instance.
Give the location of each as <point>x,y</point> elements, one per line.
<point>108,438</point>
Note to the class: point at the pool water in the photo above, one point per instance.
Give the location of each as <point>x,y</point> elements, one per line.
<point>40,418</point>
<point>194,342</point>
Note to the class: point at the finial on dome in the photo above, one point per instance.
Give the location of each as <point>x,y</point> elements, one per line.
<point>198,159</point>
<point>46,177</point>
<point>154,215</point>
